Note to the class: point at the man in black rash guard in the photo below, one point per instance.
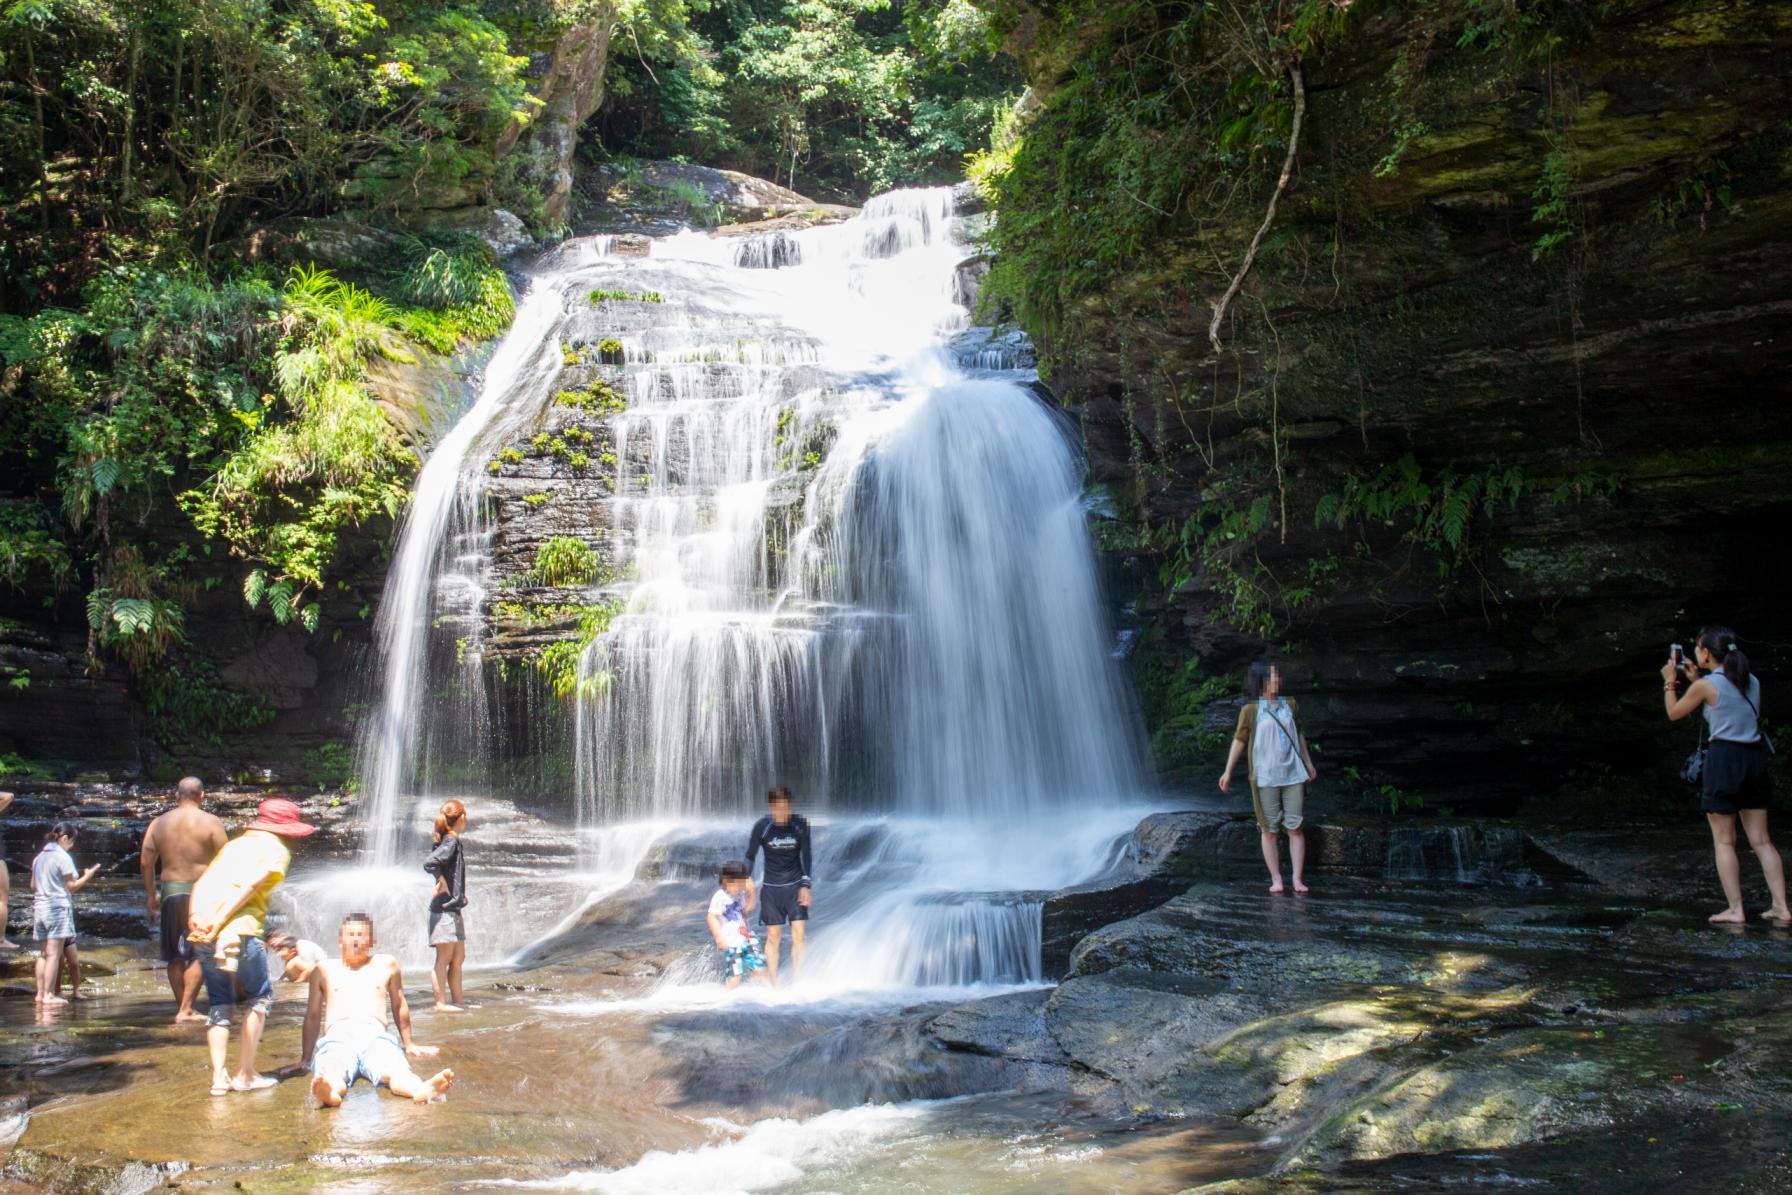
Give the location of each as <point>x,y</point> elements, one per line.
<point>784,889</point>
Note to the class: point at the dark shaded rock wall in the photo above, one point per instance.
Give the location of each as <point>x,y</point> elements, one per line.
<point>1626,383</point>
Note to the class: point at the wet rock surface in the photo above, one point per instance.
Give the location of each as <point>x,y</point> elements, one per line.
<point>1379,1034</point>
<point>657,198</point>
<point>1383,1022</point>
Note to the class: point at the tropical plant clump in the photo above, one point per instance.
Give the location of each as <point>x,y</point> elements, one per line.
<point>559,662</point>
<point>597,398</point>
<point>565,560</point>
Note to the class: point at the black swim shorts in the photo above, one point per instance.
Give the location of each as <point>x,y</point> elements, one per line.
<point>175,946</point>
<point>777,904</point>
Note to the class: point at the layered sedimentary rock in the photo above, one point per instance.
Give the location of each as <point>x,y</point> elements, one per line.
<point>1499,412</point>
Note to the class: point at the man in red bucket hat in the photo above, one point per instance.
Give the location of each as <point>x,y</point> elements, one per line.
<point>228,915</point>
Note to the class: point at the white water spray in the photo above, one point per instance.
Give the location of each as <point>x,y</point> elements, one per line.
<point>860,571</point>
<point>847,563</point>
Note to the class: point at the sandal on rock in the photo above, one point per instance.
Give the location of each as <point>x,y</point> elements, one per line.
<point>258,1083</point>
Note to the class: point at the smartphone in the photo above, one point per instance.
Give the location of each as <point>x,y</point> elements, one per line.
<point>1674,654</point>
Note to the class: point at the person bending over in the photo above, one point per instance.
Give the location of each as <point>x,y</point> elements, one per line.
<point>299,957</point>
<point>786,887</point>
<point>358,999</point>
<point>226,921</point>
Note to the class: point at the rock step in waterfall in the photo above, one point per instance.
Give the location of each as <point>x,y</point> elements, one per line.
<point>823,553</point>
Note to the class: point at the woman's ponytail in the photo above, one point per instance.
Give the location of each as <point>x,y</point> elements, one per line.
<point>1721,643</point>
<point>452,814</point>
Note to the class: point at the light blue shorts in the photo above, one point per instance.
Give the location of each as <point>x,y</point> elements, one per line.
<point>377,1061</point>
<point>52,921</point>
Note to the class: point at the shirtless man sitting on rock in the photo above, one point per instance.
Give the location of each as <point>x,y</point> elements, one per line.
<point>357,999</point>
<point>183,841</point>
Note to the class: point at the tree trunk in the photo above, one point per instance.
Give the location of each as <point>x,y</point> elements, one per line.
<point>128,158</point>
<point>37,104</point>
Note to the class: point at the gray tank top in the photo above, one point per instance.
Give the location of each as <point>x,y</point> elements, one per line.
<point>1730,718</point>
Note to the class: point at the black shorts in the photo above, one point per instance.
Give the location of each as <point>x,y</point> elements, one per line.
<point>777,904</point>
<point>175,946</point>
<point>1736,777</point>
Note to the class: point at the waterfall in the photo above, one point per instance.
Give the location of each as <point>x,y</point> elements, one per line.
<point>838,553</point>
<point>428,578</point>
<point>858,571</point>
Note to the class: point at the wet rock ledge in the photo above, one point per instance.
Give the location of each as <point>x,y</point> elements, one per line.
<point>1405,1029</point>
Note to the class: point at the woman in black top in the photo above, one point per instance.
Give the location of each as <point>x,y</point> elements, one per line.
<point>447,930</point>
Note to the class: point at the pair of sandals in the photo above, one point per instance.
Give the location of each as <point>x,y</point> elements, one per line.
<point>258,1083</point>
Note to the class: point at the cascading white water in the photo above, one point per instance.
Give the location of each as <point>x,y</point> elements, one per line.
<point>846,562</point>
<point>859,570</point>
<point>428,578</point>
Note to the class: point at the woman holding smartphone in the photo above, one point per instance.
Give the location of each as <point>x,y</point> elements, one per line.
<point>1735,779</point>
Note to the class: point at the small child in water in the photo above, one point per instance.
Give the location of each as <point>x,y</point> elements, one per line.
<point>299,956</point>
<point>728,910</point>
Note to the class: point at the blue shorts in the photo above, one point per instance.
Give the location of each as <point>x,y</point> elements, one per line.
<point>52,921</point>
<point>744,960</point>
<point>376,1061</point>
<point>777,904</point>
<point>249,985</point>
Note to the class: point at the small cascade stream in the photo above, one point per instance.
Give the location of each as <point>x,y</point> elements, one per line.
<point>839,553</point>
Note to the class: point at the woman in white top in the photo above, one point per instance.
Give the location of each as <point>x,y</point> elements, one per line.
<point>53,880</point>
<point>1735,779</point>
<point>1270,741</point>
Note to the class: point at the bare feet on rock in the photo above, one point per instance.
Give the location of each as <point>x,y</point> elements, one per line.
<point>1276,887</point>
<point>434,1087</point>
<point>189,1018</point>
<point>1780,916</point>
<point>1728,917</point>
<point>449,1008</point>
<point>326,1092</point>
<point>1300,887</point>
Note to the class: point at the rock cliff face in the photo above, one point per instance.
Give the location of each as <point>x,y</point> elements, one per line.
<point>525,162</point>
<point>1499,413</point>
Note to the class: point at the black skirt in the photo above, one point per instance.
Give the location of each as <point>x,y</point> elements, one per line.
<point>1736,776</point>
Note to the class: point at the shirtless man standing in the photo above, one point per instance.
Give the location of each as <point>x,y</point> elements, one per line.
<point>184,841</point>
<point>350,997</point>
<point>6,943</point>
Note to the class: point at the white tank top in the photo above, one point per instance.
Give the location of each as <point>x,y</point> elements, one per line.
<point>1730,717</point>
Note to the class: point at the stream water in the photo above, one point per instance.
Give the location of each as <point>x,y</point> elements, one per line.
<point>844,555</point>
